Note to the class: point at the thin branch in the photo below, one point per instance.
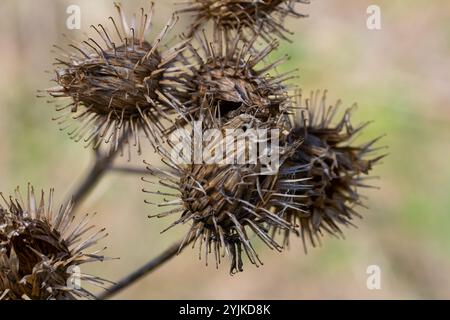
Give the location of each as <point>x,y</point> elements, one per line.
<point>129,170</point>
<point>150,266</point>
<point>101,165</point>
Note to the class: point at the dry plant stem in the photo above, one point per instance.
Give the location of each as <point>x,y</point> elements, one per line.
<point>101,165</point>
<point>129,170</point>
<point>150,266</point>
<point>96,172</point>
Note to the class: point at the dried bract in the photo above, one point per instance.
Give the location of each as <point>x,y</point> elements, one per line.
<point>118,88</point>
<point>231,77</point>
<point>40,252</point>
<point>257,16</point>
<point>325,170</point>
<point>225,201</point>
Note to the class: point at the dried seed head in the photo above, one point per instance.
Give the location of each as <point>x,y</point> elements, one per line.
<point>266,16</point>
<point>117,89</point>
<point>326,170</point>
<point>229,78</point>
<point>224,202</point>
<point>39,250</point>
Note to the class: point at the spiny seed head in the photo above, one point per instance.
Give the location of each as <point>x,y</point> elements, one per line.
<point>230,78</point>
<point>39,250</point>
<point>117,88</point>
<point>326,170</point>
<point>225,202</point>
<point>265,16</point>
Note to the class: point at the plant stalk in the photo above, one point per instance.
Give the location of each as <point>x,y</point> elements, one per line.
<point>103,162</point>
<point>150,266</point>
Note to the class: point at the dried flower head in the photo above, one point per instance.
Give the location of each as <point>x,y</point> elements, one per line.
<point>39,250</point>
<point>224,201</point>
<point>265,16</point>
<point>326,170</point>
<point>229,78</point>
<point>117,89</point>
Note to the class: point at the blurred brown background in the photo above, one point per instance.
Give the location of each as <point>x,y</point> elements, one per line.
<point>399,76</point>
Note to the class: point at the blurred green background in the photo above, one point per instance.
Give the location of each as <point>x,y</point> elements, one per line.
<point>399,76</point>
